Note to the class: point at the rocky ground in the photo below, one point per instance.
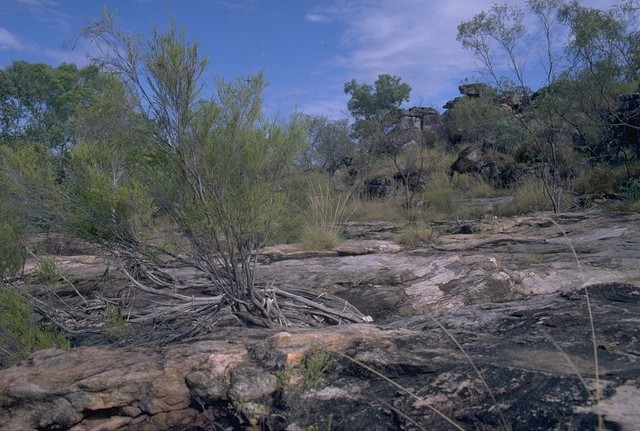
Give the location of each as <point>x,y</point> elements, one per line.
<point>485,327</point>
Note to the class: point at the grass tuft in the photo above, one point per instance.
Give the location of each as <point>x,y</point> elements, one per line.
<point>47,271</point>
<point>414,235</point>
<point>327,210</point>
<point>19,336</point>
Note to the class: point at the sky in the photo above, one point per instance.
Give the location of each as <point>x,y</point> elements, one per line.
<point>307,49</point>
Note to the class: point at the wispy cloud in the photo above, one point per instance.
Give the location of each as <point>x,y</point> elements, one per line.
<point>47,12</point>
<point>317,17</point>
<point>8,40</point>
<point>37,4</point>
<point>413,39</point>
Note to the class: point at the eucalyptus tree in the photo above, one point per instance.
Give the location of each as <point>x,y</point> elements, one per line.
<point>375,110</point>
<point>582,77</point>
<point>330,143</point>
<point>38,103</point>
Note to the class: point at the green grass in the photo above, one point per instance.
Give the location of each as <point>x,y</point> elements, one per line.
<point>529,196</point>
<point>47,271</point>
<point>114,325</point>
<point>19,336</point>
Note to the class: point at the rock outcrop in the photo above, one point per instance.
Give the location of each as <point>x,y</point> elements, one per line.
<point>491,328</point>
<point>421,119</point>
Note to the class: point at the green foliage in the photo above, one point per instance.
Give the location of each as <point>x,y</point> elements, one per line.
<point>28,201</point>
<point>106,199</point>
<point>12,251</point>
<point>483,120</point>
<point>213,166</point>
<point>19,336</point>
<point>529,196</point>
<point>502,26</point>
<point>47,271</point>
<point>315,363</point>
<point>605,37</point>
<point>329,143</point>
<point>578,105</point>
<point>114,325</point>
<point>602,179</point>
<point>375,108</point>
<point>632,190</point>
<point>309,375</point>
<point>38,102</point>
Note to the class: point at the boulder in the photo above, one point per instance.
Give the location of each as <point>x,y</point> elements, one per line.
<point>377,188</point>
<point>473,90</point>
<point>469,160</point>
<point>420,118</point>
<point>489,165</point>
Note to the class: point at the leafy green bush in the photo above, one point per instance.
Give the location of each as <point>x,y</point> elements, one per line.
<point>601,179</point>
<point>12,251</point>
<point>19,336</point>
<point>632,190</point>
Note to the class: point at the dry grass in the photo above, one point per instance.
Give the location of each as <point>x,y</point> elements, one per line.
<point>369,210</point>
<point>471,186</point>
<point>529,196</point>
<point>326,212</point>
<point>415,235</point>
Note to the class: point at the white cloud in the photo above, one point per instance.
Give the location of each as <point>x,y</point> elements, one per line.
<point>316,17</point>
<point>8,40</point>
<point>415,40</point>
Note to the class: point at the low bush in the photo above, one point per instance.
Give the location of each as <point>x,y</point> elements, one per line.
<point>12,251</point>
<point>19,335</point>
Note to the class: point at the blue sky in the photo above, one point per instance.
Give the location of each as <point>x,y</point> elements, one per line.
<point>307,49</point>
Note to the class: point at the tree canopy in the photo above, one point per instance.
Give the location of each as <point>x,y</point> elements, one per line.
<point>38,102</point>
<point>375,108</point>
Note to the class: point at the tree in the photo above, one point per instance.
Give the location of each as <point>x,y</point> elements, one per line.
<point>329,143</point>
<point>604,50</point>
<point>38,102</point>
<point>580,92</point>
<point>210,167</point>
<point>375,109</point>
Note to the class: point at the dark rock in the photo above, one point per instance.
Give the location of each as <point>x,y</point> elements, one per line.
<point>377,188</point>
<point>469,160</point>
<point>473,90</point>
<point>420,118</point>
<point>466,230</point>
<point>489,165</point>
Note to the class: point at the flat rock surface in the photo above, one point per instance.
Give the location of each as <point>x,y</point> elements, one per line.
<point>490,330</point>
